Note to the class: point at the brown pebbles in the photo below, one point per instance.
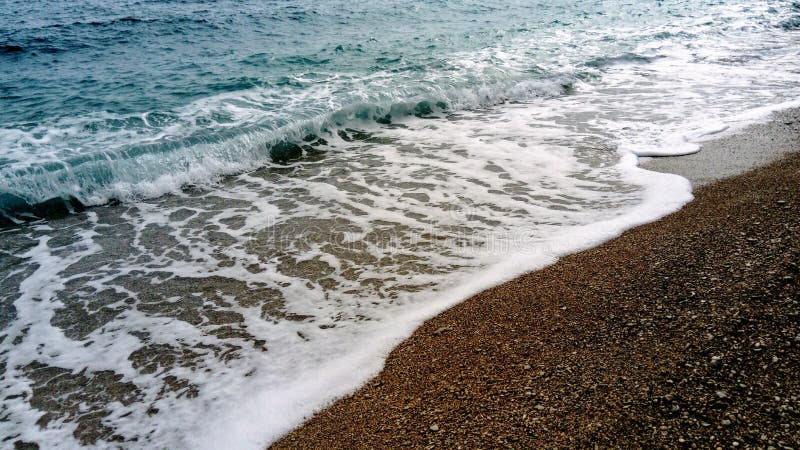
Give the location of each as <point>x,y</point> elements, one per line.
<point>680,333</point>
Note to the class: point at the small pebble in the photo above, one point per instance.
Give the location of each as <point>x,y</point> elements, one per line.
<point>442,330</point>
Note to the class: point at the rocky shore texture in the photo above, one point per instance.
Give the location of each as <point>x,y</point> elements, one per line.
<point>680,333</point>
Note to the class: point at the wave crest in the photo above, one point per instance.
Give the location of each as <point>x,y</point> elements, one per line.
<point>150,170</point>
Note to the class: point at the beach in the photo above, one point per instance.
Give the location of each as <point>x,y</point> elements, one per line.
<point>219,218</point>
<point>680,333</point>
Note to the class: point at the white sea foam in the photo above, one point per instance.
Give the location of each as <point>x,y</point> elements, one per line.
<point>283,404</point>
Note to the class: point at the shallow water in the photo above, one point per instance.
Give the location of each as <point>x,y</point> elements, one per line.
<point>203,310</point>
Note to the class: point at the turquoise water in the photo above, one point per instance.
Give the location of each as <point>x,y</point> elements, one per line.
<point>133,99</point>
<point>217,217</point>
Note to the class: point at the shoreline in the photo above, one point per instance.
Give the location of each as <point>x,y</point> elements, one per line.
<point>735,153</point>
<point>615,337</point>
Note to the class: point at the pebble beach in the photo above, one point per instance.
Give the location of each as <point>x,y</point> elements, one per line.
<point>682,333</point>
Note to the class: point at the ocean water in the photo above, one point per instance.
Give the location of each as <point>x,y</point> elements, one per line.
<point>217,216</point>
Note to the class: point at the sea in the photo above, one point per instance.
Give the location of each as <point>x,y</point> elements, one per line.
<point>217,216</point>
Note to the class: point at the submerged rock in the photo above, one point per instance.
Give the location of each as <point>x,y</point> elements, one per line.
<point>285,151</point>
<point>423,109</point>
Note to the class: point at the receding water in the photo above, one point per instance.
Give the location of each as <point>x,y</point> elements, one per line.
<point>218,216</point>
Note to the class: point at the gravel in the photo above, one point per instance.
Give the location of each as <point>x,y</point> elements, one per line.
<point>680,333</point>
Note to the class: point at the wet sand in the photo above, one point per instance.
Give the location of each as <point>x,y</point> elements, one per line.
<point>735,153</point>
<point>680,333</point>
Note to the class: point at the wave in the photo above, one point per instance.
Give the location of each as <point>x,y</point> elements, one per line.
<point>792,23</point>
<point>63,37</point>
<point>39,45</point>
<point>14,49</point>
<point>16,210</point>
<point>136,20</point>
<point>626,58</point>
<point>125,20</point>
<point>48,189</point>
<point>10,48</point>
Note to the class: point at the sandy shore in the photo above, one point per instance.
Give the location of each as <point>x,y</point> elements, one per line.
<point>680,333</point>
